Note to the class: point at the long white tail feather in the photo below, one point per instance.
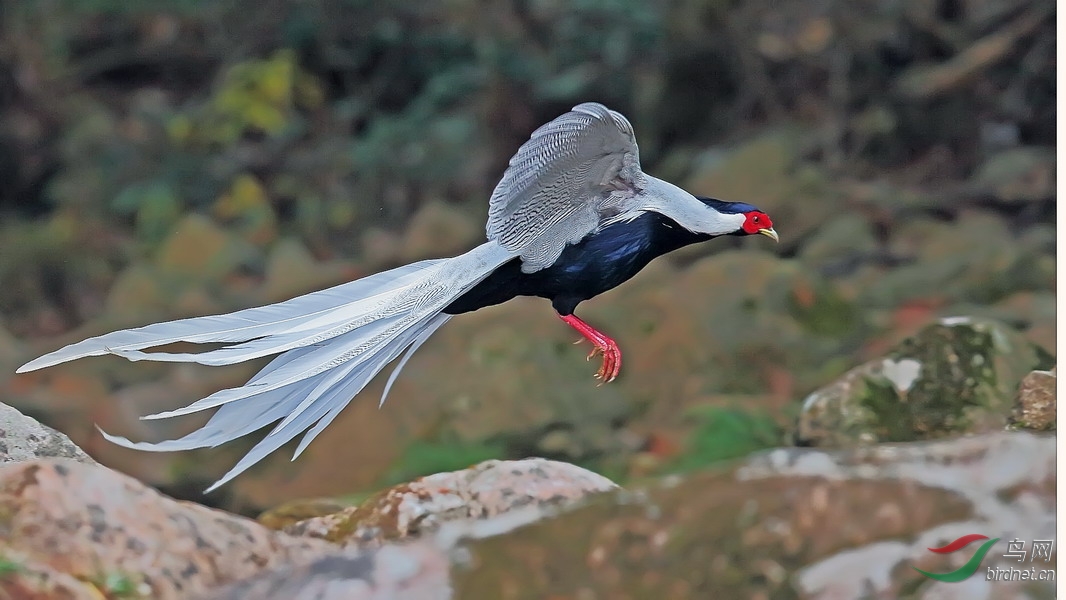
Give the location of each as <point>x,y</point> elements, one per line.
<point>225,425</point>
<point>329,324</point>
<point>369,363</point>
<point>323,357</point>
<point>358,381</point>
<point>240,326</point>
<point>415,345</point>
<point>276,440</point>
<point>330,379</point>
<point>322,410</point>
<point>318,428</point>
<point>332,342</point>
<point>233,420</point>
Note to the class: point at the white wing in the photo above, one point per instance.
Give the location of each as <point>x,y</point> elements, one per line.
<point>573,172</point>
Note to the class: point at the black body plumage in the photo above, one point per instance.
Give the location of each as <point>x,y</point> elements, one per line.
<point>600,262</point>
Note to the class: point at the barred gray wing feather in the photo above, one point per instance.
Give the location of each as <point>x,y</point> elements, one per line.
<point>573,172</point>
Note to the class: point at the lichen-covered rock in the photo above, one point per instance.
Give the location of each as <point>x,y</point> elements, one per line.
<point>95,525</point>
<point>485,490</point>
<point>789,523</point>
<point>23,438</point>
<point>1035,407</point>
<point>414,571</point>
<point>957,375</point>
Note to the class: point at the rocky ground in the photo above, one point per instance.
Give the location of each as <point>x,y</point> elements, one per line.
<point>903,470</point>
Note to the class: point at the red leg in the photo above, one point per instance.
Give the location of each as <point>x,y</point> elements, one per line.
<point>612,354</point>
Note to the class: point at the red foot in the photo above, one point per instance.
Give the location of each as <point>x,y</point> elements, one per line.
<point>612,354</point>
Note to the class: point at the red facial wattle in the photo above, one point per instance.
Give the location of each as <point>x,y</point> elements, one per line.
<point>756,221</point>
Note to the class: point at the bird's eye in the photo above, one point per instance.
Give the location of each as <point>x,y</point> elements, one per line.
<point>755,219</point>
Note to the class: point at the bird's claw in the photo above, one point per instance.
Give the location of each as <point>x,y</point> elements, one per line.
<point>601,344</point>
<point>612,361</point>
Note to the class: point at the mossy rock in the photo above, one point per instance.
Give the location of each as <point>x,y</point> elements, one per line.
<point>958,375</point>
<point>705,536</point>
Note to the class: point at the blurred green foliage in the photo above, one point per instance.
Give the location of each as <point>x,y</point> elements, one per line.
<point>9,566</point>
<point>424,457</point>
<point>725,433</point>
<point>120,586</point>
<point>255,96</point>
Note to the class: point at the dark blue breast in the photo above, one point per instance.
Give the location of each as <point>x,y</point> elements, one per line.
<point>600,262</point>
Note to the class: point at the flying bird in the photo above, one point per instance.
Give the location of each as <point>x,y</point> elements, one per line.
<point>573,216</point>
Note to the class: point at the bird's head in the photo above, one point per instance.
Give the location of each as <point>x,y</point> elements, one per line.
<point>749,220</point>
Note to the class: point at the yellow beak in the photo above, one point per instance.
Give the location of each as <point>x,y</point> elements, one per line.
<point>770,233</point>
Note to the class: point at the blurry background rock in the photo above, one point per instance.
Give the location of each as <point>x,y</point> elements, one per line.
<point>956,376</point>
<point>171,158</point>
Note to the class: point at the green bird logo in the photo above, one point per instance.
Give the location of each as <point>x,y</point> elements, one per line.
<point>971,566</point>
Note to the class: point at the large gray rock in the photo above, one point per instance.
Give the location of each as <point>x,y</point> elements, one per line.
<point>421,507</point>
<point>956,376</point>
<point>790,523</point>
<point>23,438</point>
<point>1006,479</point>
<point>75,522</point>
<point>416,571</point>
